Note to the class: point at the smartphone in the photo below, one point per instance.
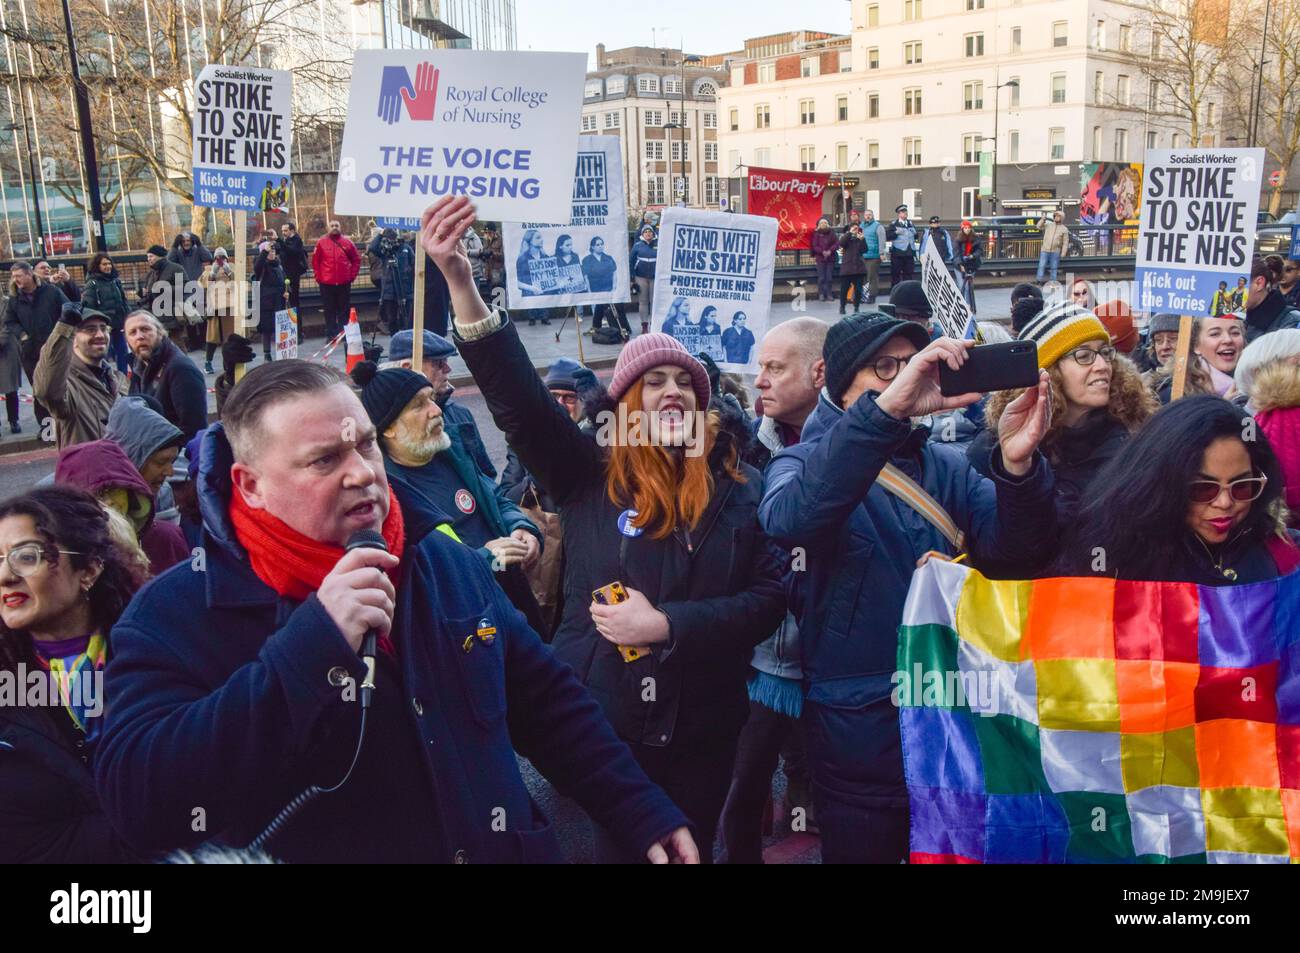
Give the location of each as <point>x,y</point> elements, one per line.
<point>991,367</point>
<point>610,595</point>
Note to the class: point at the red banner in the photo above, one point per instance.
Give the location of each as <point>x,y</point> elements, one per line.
<point>794,199</point>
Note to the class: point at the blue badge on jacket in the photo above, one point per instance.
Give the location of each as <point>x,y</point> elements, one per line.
<point>625,523</point>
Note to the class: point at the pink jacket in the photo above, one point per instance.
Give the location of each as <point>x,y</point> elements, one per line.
<point>1275,395</point>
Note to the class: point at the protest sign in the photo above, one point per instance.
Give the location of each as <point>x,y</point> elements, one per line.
<point>713,283</point>
<point>794,199</point>
<point>286,334</point>
<point>950,308</point>
<point>584,261</point>
<point>1197,232</point>
<point>491,125</point>
<point>243,124</point>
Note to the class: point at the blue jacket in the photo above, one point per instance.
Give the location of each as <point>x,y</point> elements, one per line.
<point>225,701</point>
<point>946,249</point>
<point>861,543</point>
<point>643,259</point>
<point>459,421</point>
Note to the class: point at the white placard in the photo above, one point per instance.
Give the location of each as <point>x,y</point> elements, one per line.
<point>946,300</point>
<point>243,128</point>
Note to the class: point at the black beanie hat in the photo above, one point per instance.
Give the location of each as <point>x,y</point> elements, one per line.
<point>386,393</point>
<point>852,342</point>
<point>1026,289</point>
<point>158,250</point>
<point>1024,311</point>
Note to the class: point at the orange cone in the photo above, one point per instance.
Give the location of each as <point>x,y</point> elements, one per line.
<point>352,335</point>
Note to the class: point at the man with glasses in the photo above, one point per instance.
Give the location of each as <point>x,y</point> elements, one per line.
<point>1290,283</point>
<point>73,379</point>
<point>863,496</point>
<point>568,381</point>
<point>335,262</point>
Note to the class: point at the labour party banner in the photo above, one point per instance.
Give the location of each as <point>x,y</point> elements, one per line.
<point>494,126</point>
<point>713,283</point>
<point>950,308</point>
<point>585,261</point>
<point>794,199</point>
<point>1198,229</point>
<point>243,121</point>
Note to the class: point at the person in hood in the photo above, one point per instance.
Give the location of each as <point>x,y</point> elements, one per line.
<point>1186,500</point>
<point>165,373</point>
<point>791,374</point>
<point>73,379</point>
<point>1266,307</point>
<point>63,585</point>
<point>435,479</point>
<point>861,543</point>
<point>825,247</point>
<point>152,443</point>
<point>244,723</point>
<point>189,252</point>
<point>1268,375</point>
<point>1098,401</point>
<point>659,503</point>
<point>103,469</point>
<point>104,293</point>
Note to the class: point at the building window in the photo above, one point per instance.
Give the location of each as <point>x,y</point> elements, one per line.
<point>1014,84</point>
<point>1152,87</point>
<point>974,4</point>
<point>738,76</point>
<point>711,190</point>
<point>873,58</point>
<point>647,84</point>
<point>710,120</point>
<point>1125,38</point>
<point>912,101</point>
<point>912,152</point>
<point>711,151</point>
<point>1056,143</point>
<point>1015,39</point>
<point>733,119</point>
<point>1096,143</point>
<point>841,156</point>
<point>807,112</point>
<point>654,149</point>
<point>1098,86</point>
<point>1124,92</point>
<point>1060,33</point>
<point>1152,140</point>
<point>1211,114</point>
<point>654,118</point>
<point>846,61</point>
<point>763,157</point>
<point>681,151</point>
<point>1176,141</point>
<point>873,148</point>
<point>810,66</point>
<point>911,10</point>
<point>1099,35</point>
<point>654,190</point>
<point>873,15</point>
<point>762,117</point>
<point>705,90</point>
<point>974,44</point>
<point>672,85</point>
<point>973,95</point>
<point>613,120</point>
<point>970,203</point>
<point>593,89</point>
<point>767,72</point>
<point>912,53</point>
<point>589,122</point>
<point>970,148</point>
<point>1121,145</point>
<point>842,108</point>
<point>807,158</point>
<point>1058,87</point>
<point>1013,145</point>
<point>676,118</point>
<point>615,85</point>
<point>873,105</point>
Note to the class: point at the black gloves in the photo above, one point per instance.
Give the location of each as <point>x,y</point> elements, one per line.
<point>71,313</point>
<point>236,350</point>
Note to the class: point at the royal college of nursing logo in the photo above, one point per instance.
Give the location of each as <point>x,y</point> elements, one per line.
<point>396,90</point>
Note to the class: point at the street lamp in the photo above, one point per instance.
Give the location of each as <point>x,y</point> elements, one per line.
<point>1013,84</point>
<point>690,58</point>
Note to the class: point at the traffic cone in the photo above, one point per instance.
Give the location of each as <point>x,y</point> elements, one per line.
<point>352,335</point>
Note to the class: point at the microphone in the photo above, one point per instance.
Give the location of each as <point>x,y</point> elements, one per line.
<point>367,539</point>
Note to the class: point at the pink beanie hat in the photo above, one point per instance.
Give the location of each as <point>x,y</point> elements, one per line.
<point>651,350</point>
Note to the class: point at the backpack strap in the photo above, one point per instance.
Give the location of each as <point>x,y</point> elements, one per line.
<point>898,483</point>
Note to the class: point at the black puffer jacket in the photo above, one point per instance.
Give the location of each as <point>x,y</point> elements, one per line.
<point>719,584</point>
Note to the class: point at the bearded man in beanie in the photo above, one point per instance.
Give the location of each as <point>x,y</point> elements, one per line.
<point>235,683</point>
<point>437,481</point>
<point>862,543</point>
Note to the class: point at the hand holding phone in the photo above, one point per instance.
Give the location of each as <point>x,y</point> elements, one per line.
<point>990,367</point>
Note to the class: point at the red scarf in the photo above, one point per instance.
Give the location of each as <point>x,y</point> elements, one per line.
<point>293,564</point>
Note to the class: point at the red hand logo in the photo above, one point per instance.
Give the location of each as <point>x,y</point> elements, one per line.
<point>421,105</point>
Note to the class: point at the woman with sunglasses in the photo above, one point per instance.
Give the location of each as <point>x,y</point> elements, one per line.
<point>1186,500</point>
<point>63,583</point>
<point>1097,396</point>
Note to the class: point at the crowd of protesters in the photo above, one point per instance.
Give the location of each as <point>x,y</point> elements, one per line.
<point>655,623</point>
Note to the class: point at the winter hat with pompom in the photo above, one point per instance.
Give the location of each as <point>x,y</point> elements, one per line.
<point>386,393</point>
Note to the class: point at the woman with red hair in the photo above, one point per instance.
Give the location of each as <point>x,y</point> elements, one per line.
<point>653,497</point>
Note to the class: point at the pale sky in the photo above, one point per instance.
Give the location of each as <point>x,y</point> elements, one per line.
<point>702,27</point>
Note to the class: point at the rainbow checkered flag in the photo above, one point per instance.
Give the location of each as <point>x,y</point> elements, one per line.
<point>1094,720</point>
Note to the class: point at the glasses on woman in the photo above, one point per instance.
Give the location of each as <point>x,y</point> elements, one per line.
<point>887,368</point>
<point>1242,491</point>
<point>26,560</point>
<point>1083,356</point>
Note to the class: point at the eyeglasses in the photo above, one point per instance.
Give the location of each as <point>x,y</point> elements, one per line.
<point>1084,356</point>
<point>887,368</point>
<point>1243,490</point>
<point>25,560</point>
<point>1080,292</point>
<point>567,399</point>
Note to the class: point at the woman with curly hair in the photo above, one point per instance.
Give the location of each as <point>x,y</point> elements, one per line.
<point>64,582</point>
<point>1098,400</point>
